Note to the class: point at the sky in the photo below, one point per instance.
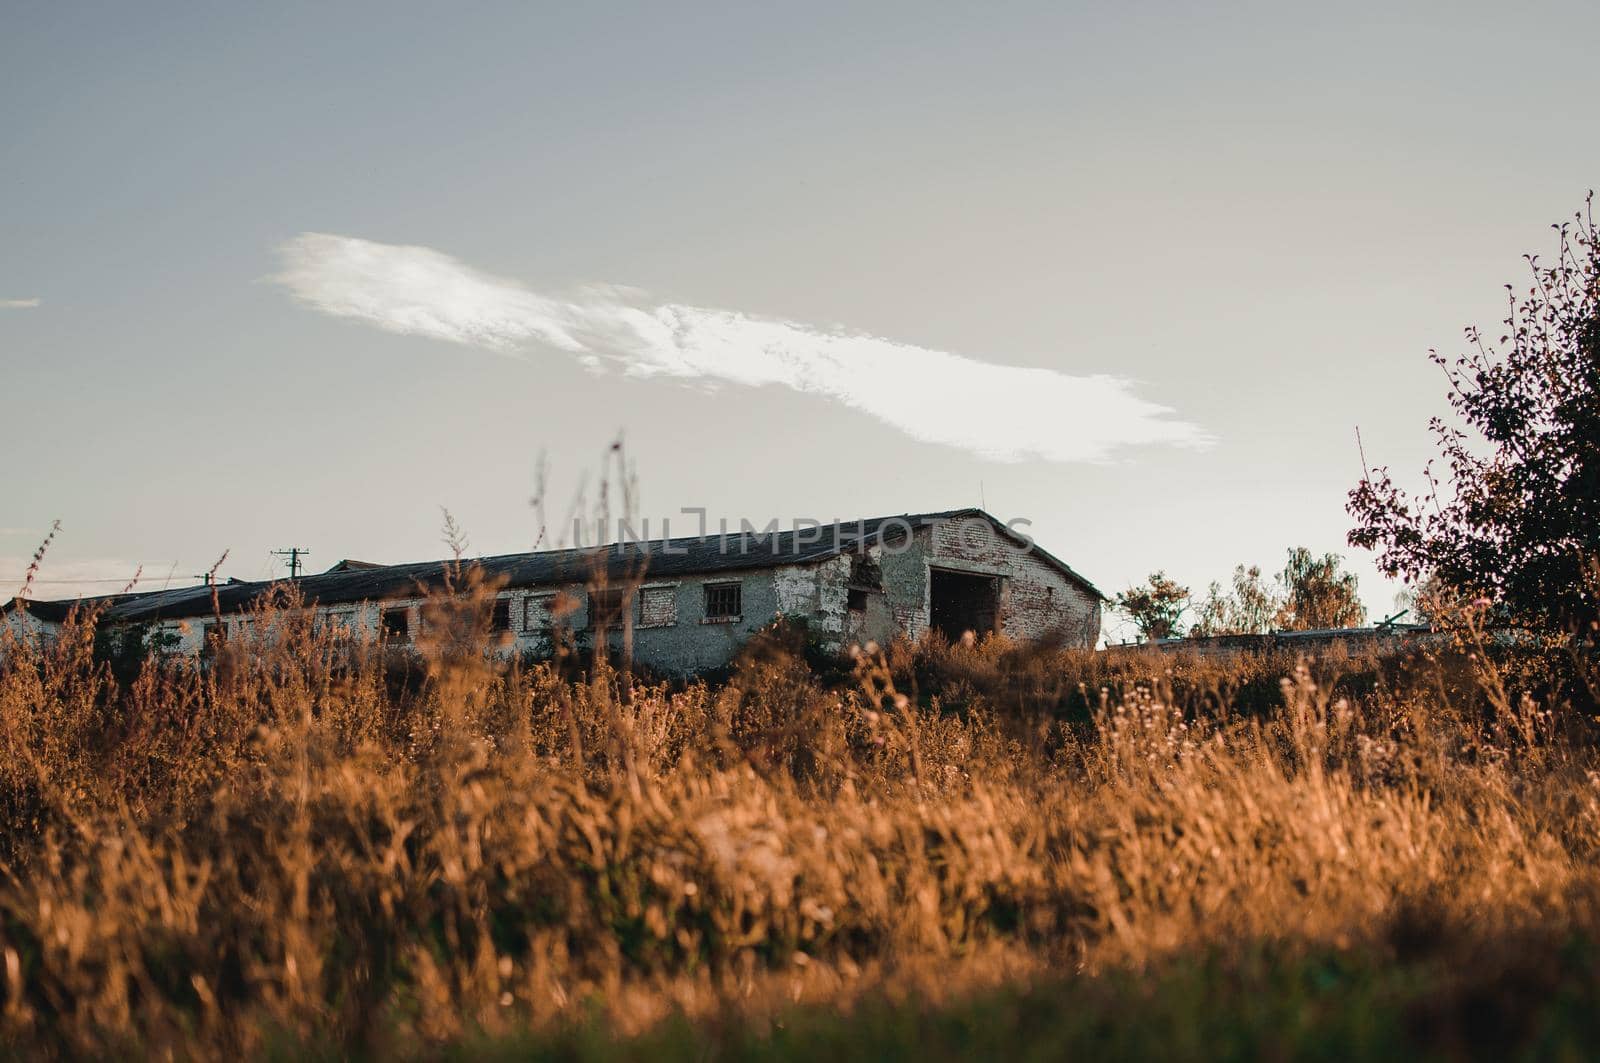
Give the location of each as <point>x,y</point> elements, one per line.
<point>307,275</point>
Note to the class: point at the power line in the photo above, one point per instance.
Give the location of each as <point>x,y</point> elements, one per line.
<point>294,554</point>
<point>122,580</point>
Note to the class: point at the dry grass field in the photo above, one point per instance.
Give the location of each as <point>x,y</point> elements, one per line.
<point>313,845</point>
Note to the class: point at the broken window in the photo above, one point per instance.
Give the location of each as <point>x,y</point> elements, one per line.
<point>608,605</point>
<point>396,623</point>
<point>724,601</point>
<point>212,638</point>
<point>500,615</point>
<point>865,578</point>
<point>963,601</point>
<point>866,573</point>
<point>341,621</point>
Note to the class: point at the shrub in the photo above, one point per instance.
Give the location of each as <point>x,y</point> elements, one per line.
<point>306,842</point>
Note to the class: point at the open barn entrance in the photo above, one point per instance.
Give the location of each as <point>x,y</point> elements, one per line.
<point>962,602</point>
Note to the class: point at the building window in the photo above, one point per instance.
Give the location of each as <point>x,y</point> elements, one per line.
<point>397,623</point>
<point>608,605</point>
<point>339,621</point>
<point>658,606</point>
<point>866,577</point>
<point>724,601</point>
<point>500,615</point>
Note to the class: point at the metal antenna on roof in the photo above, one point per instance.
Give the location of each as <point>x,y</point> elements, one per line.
<point>294,554</point>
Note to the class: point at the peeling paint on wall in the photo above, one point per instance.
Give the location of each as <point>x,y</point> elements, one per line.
<point>796,589</point>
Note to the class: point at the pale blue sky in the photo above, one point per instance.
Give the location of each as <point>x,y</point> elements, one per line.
<point>1261,217</point>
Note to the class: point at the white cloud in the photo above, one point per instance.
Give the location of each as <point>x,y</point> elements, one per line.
<point>1006,413</point>
<point>19,304</point>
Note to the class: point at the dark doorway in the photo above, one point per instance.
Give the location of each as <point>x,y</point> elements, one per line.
<point>962,602</point>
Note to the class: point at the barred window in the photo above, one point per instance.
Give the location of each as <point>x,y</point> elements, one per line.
<point>724,601</point>
<point>397,623</point>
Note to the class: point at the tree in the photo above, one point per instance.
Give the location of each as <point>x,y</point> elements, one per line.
<point>1431,601</point>
<point>1318,594</point>
<point>1156,607</point>
<point>1248,609</point>
<point>1516,518</point>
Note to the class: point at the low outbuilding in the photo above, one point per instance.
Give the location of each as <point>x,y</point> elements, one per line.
<point>685,604</point>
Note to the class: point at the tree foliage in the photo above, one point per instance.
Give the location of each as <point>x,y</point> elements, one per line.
<point>1318,593</point>
<point>1515,516</point>
<point>1156,607</point>
<point>1432,601</point>
<point>1248,608</point>
<point>1310,593</point>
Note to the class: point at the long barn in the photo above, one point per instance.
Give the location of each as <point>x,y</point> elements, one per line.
<point>687,604</point>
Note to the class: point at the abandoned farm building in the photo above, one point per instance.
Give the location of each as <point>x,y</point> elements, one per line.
<point>689,603</point>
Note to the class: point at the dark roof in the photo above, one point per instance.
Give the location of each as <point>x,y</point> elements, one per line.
<point>174,601</point>
<point>56,611</point>
<point>350,564</point>
<point>166,602</point>
<point>690,555</point>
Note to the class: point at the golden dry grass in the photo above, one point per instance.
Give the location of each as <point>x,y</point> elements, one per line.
<point>314,842</point>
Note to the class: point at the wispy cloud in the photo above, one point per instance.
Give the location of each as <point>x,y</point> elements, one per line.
<point>19,304</point>
<point>1006,413</point>
<point>60,578</point>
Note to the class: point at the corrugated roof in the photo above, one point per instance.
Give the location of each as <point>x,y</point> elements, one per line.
<point>690,555</point>
<point>56,611</point>
<point>350,564</point>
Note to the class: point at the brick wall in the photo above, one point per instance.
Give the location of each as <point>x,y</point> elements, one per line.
<point>658,606</point>
<point>1037,600</point>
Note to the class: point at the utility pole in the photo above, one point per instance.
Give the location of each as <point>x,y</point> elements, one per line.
<point>293,554</point>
